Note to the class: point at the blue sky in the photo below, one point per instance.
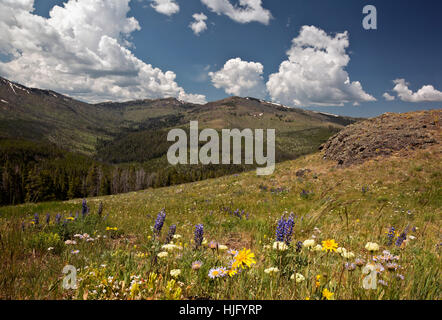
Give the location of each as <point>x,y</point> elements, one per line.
<point>407,45</point>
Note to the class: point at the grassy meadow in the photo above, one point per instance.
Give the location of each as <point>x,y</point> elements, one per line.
<point>122,252</point>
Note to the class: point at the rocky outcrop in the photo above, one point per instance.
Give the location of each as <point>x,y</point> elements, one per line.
<point>384,135</point>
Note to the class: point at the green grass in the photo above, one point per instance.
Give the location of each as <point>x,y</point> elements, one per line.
<point>399,191</point>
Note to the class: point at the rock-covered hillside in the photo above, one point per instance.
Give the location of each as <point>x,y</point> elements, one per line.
<point>384,135</point>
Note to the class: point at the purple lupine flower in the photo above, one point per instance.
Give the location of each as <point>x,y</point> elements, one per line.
<point>172,230</point>
<point>48,218</point>
<point>298,246</point>
<point>57,218</point>
<point>199,235</point>
<point>280,229</point>
<point>36,219</point>
<point>288,229</point>
<point>84,208</point>
<point>402,237</point>
<point>159,222</point>
<point>390,235</point>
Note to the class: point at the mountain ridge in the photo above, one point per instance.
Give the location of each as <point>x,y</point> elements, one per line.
<point>74,125</point>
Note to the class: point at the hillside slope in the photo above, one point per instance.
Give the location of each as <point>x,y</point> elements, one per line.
<point>394,201</point>
<point>382,136</point>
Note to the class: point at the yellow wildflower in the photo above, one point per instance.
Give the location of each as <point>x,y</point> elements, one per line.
<point>329,245</point>
<point>327,294</point>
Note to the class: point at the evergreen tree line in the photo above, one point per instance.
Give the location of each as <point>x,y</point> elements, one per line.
<point>35,172</point>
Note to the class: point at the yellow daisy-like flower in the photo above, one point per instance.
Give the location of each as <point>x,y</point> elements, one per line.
<point>318,280</point>
<point>329,245</point>
<point>232,272</point>
<point>327,294</point>
<point>244,258</point>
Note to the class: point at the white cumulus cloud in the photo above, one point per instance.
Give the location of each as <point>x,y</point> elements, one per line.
<point>167,7</point>
<point>240,78</point>
<point>199,25</point>
<point>314,73</point>
<point>425,94</point>
<point>83,50</point>
<point>247,11</point>
<point>388,96</point>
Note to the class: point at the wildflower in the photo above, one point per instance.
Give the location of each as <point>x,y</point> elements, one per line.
<point>222,247</point>
<point>271,270</point>
<point>134,288</point>
<point>198,235</point>
<point>50,248</point>
<point>288,229</point>
<point>70,242</point>
<point>379,268</point>
<point>341,250</point>
<point>348,255</point>
<point>159,222</point>
<point>280,230</point>
<point>309,243</point>
<point>169,247</point>
<point>57,218</point>
<point>403,236</point>
<point>318,247</point>
<point>232,252</point>
<point>392,266</point>
<point>329,245</point>
<point>298,277</point>
<point>175,273</point>
<point>171,233</point>
<point>196,265</point>
<point>411,237</point>
<point>390,235</point>
<point>232,272</point>
<point>280,245</point>
<point>399,276</point>
<point>70,218</point>
<point>350,266</point>
<point>36,219</point>
<point>213,245</point>
<point>327,294</point>
<point>372,246</point>
<point>216,273</point>
<point>48,218</point>
<point>382,282</point>
<point>318,280</point>
<point>75,251</point>
<point>360,262</point>
<point>244,258</point>
<point>177,236</point>
<point>163,254</point>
